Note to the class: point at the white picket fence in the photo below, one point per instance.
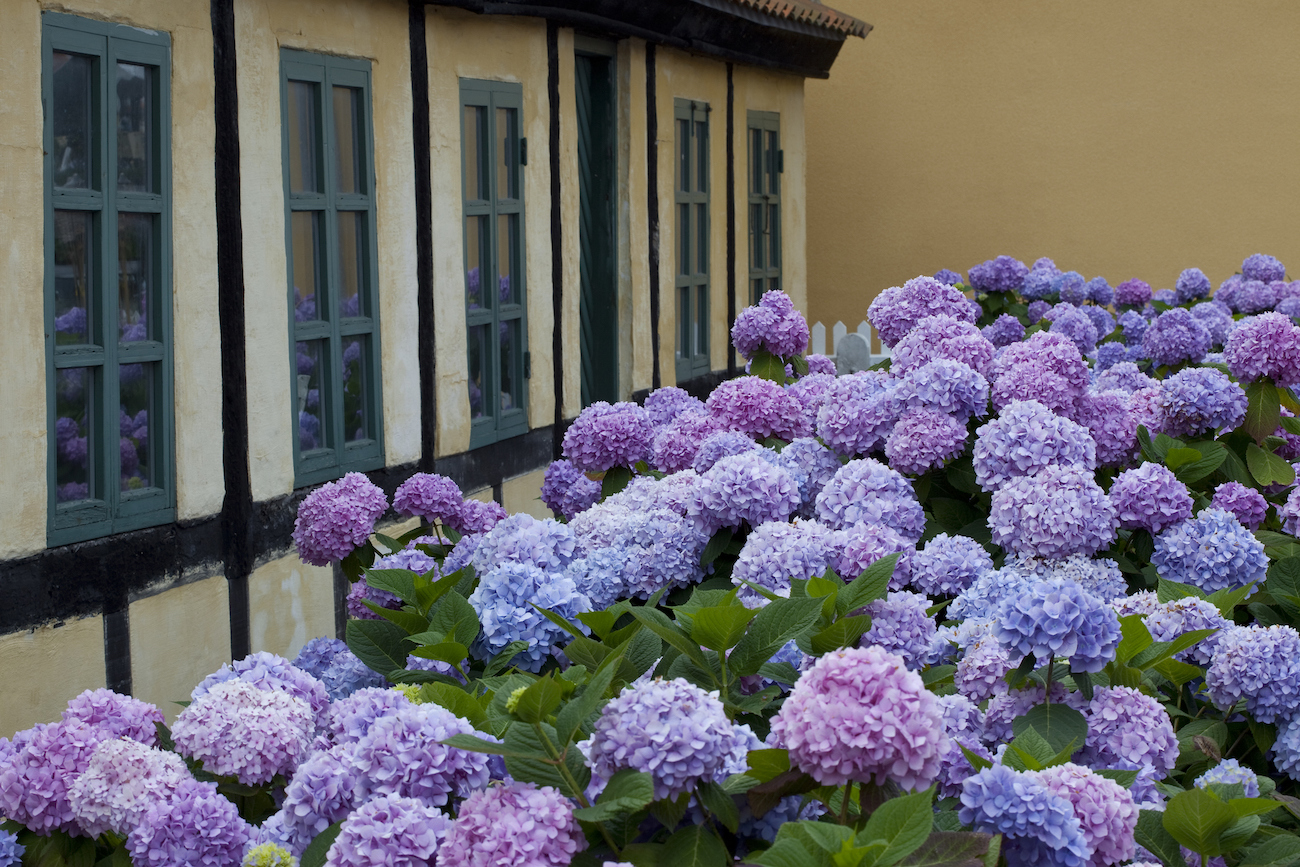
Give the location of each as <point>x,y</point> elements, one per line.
<point>863,351</point>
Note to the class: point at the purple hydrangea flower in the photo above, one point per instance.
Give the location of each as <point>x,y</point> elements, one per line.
<point>1265,345</point>
<point>1288,306</point>
<point>1073,323</point>
<point>859,714</point>
<point>336,518</point>
<point>746,488</point>
<point>1058,512</point>
<point>1229,772</point>
<point>521,538</point>
<point>1126,726</point>
<point>1003,274</point>
<point>515,824</point>
<point>428,496</point>
<point>949,564</point>
<point>361,592</point>
<point>811,391</point>
<point>1058,618</point>
<point>236,729</point>
<point>1109,418</point>
<point>1123,376</point>
<point>1027,437</point>
<point>1104,808</point>
<point>896,310</point>
<point>1227,291</point>
<point>351,717</point>
<point>1176,337</point>
<point>665,404</point>
<point>477,516</point>
<point>1212,551</point>
<point>1216,319</point>
<point>391,831</point>
<point>677,443</point>
<point>1247,504</point>
<point>776,552</point>
<point>947,386</point>
<point>1046,367</point>
<point>867,490</point>
<point>1039,826</point>
<point>1037,310</point>
<point>1260,664</point>
<point>1133,293</point>
<point>857,413</point>
<point>1134,327</point>
<point>119,715</point>
<point>772,325</point>
<point>1004,331</point>
<point>1285,752</point>
<point>42,765</point>
<point>1260,266</point>
<point>900,624</point>
<point>197,825</point>
<point>322,791</point>
<point>1191,284</point>
<point>862,544</point>
<point>1100,292</point>
<point>981,670</point>
<point>948,277</point>
<point>1201,399</point>
<point>269,671</point>
<point>606,435</point>
<point>1289,513</point>
<point>719,446</point>
<point>820,364</point>
<point>1108,355</point>
<point>942,337</point>
<point>336,667</point>
<point>757,407</point>
<point>11,851</point>
<point>121,781</point>
<point>1071,287</point>
<point>1150,497</point>
<point>813,465</point>
<point>1040,282</point>
<point>566,490</point>
<point>402,754</point>
<point>924,439</point>
<point>504,603</point>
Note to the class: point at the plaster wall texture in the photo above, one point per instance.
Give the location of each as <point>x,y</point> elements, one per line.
<point>1120,139</point>
<point>378,32</point>
<point>636,359</point>
<point>178,637</point>
<point>47,666</point>
<point>290,604</point>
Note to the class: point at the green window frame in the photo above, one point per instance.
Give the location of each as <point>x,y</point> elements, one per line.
<point>107,224</point>
<point>493,153</point>
<point>327,141</point>
<point>691,206</point>
<point>764,134</point>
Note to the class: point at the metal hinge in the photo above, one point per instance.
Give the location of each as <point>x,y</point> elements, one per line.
<point>528,365</point>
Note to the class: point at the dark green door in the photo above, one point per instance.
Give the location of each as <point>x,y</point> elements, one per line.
<point>597,192</point>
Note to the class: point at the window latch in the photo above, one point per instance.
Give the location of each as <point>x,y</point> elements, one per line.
<point>523,151</point>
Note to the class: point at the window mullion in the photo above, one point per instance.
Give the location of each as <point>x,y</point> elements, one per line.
<point>331,362</point>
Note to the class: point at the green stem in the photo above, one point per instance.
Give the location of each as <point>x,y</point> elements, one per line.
<point>844,803</point>
<point>1051,666</point>
<point>558,760</point>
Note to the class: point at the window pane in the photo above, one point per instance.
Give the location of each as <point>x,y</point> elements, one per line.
<point>476,261</point>
<point>355,421</point>
<point>756,236</point>
<point>510,365</point>
<point>702,239</point>
<point>137,394</point>
<point>347,137</point>
<point>73,426</point>
<point>756,162</point>
<point>683,239</point>
<point>480,377</point>
<point>312,433</point>
<point>134,138</point>
<point>135,270</point>
<point>475,161</point>
<point>304,138</point>
<point>683,178</point>
<point>508,154</point>
<point>773,184</point>
<point>701,320</point>
<point>73,277</point>
<point>352,261</point>
<point>507,258</point>
<point>773,228</point>
<point>73,134</point>
<point>684,322</point>
<point>702,156</point>
<point>305,229</point>
<point>756,291</point>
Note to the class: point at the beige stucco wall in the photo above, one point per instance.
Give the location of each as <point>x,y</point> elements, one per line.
<point>178,637</point>
<point>378,32</point>
<point>636,358</point>
<point>1121,139</point>
<point>524,494</point>
<point>290,603</point>
<point>46,667</point>
<point>23,443</point>
<point>463,45</point>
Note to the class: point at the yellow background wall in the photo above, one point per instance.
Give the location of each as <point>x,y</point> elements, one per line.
<point>1122,139</point>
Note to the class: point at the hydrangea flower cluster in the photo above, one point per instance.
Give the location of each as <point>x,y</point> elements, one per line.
<point>1260,266</point>
<point>938,337</point>
<point>521,538</point>
<point>1200,399</point>
<point>746,488</point>
<point>1058,512</point>
<point>1190,285</point>
<point>36,776</point>
<point>900,624</point>
<point>236,729</point>
<point>1150,497</point>
<point>867,490</point>
<point>982,669</point>
<point>1058,618</point>
<point>776,552</point>
<point>1125,725</point>
<point>721,445</point>
<point>402,754</point>
<point>323,791</point>
<point>896,310</point>
<point>1133,293</point>
<point>197,825</point>
<point>566,490</point>
<point>772,325</point>
<point>1025,438</point>
<point>1267,345</point>
<point>858,412</point>
<point>1110,420</point>
<point>864,543</point>
<point>428,496</point>
<point>477,516</point>
<point>1040,826</point>
<point>677,443</point>
<point>1004,331</point>
<point>1003,274</point>
<point>946,386</point>
<point>924,439</point>
<point>949,564</point>
<point>1105,810</point>
<point>390,831</point>
<point>1176,337</point>
<point>1180,616</point>
<point>1229,772</point>
<point>1212,551</point>
<point>859,714</point>
<point>121,781</point>
<point>504,603</point>
<point>1260,664</point>
<point>11,851</point>
<point>519,823</point>
<point>116,714</point>
<point>605,435</point>
<point>269,671</point>
<point>337,517</point>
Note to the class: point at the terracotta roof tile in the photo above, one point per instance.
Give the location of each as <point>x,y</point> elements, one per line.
<point>809,12</point>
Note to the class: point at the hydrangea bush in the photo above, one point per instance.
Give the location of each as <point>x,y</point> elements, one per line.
<point>1025,594</point>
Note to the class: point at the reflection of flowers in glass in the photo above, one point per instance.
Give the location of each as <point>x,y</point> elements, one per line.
<point>472,288</point>
<point>134,331</point>
<point>132,373</point>
<point>72,322</point>
<point>71,384</point>
<point>308,431</point>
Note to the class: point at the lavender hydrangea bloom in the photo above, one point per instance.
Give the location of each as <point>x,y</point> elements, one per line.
<point>811,392</point>
<point>516,824</point>
<point>1003,274</point>
<point>1100,292</point>
<point>521,538</point>
<point>859,714</point>
<point>1058,512</point>
<point>1288,306</point>
<point>942,337</point>
<point>1037,310</point>
<point>1260,664</point>
<point>391,831</point>
<point>336,518</point>
<point>1227,291</point>
<point>1285,752</point>
<point>196,826</point>
<point>121,781</point>
<point>670,729</point>
<point>776,552</point>
<point>948,277</point>
<point>947,386</point>
<point>772,325</point>
<point>757,407</point>
<point>1134,326</point>
<point>118,715</point>
<point>900,624</point>
<point>606,435</point>
<point>820,364</point>
<point>331,662</point>
<point>1071,287</point>
<point>1133,293</point>
<point>1260,266</point>
<point>665,404</point>
<point>1217,320</point>
<point>36,777</point>
<point>1191,284</point>
<point>1229,772</point>
<point>566,490</point>
<point>478,516</point>
<point>867,490</point>
<point>504,603</point>
<point>676,444</point>
<point>1100,577</point>
<point>361,592</point>
<point>1247,504</point>
<point>1150,497</point>
<point>1058,618</point>
<point>1108,355</point>
<point>1039,827</point>
<point>428,496</point>
<point>11,851</point>
<point>981,670</point>
<point>949,564</point>
<point>236,729</point>
<point>924,439</point>
<point>746,488</point>
<point>1201,399</point>
<point>1073,323</point>
<point>1105,810</point>
<point>271,672</point>
<point>1265,345</point>
<point>813,465</point>
<point>719,446</point>
<point>1109,418</point>
<point>1040,283</point>
<point>402,754</point>
<point>1290,513</point>
<point>896,310</point>
<point>1212,551</point>
<point>1025,438</point>
<point>322,791</point>
<point>857,414</point>
<point>1124,376</point>
<point>862,544</point>
<point>1176,337</point>
<point>351,718</point>
<point>1126,726</point>
<point>1004,331</point>
<point>1046,367</point>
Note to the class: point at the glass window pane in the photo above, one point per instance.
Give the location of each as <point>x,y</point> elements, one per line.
<point>73,433</point>
<point>134,136</point>
<point>684,321</point>
<point>355,419</point>
<point>477,262</point>
<point>507,258</point>
<point>313,433</point>
<point>702,239</point>
<point>508,154</point>
<point>702,156</point>
<point>305,230</point>
<point>683,155</point>
<point>756,290</point>
<point>73,134</point>
<point>756,236</point>
<point>137,396</point>
<point>773,228</point>
<point>475,164</point>
<point>352,261</point>
<point>701,320</point>
<point>304,138</point>
<point>511,366</point>
<point>480,376</point>
<point>683,239</point>
<point>773,184</point>
<point>73,277</point>
<point>347,137</point>
<point>756,162</point>
<point>135,271</point>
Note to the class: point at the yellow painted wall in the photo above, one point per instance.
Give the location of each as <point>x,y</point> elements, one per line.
<point>178,637</point>
<point>45,667</point>
<point>290,603</point>
<point>636,359</point>
<point>1122,139</point>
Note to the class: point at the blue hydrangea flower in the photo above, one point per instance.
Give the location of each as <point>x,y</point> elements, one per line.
<point>390,831</point>
<point>867,490</point>
<point>721,445</point>
<point>1058,618</point>
<point>1058,512</point>
<point>566,490</point>
<point>1039,827</point>
<point>1110,420</point>
<point>1124,725</point>
<point>773,324</point>
<point>746,488</point>
<point>900,624</point>
<point>1027,437</point>
<point>776,552</point>
<point>665,404</point>
<point>1100,292</point>
<point>1176,337</point>
<point>1109,355</point>
<point>1040,282</point>
<point>942,337</point>
<point>898,308</point>
<point>1247,504</point>
<point>1134,325</point>
<point>608,435</point>
<point>1212,551</point>
<point>983,596</point>
<point>196,821</point>
<point>948,277</point>
<point>1201,399</point>
<point>1003,274</point>
<point>1101,577</point>
<point>1217,319</point>
<point>1260,266</point>
<point>949,564</point>
<point>1004,330</point>
<point>599,575</point>
<point>1073,323</point>
<point>857,413</point>
<point>1285,752</point>
<point>331,662</point>
<point>813,465</point>
<point>1260,664</point>
<point>1123,376</point>
<point>1229,772</point>
<point>504,603</point>
<point>11,851</point>
<point>1179,616</point>
<point>521,538</point>
<point>1191,284</point>
<point>1037,310</point>
<point>947,386</point>
<point>1072,288</point>
<point>924,439</point>
<point>402,754</point>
